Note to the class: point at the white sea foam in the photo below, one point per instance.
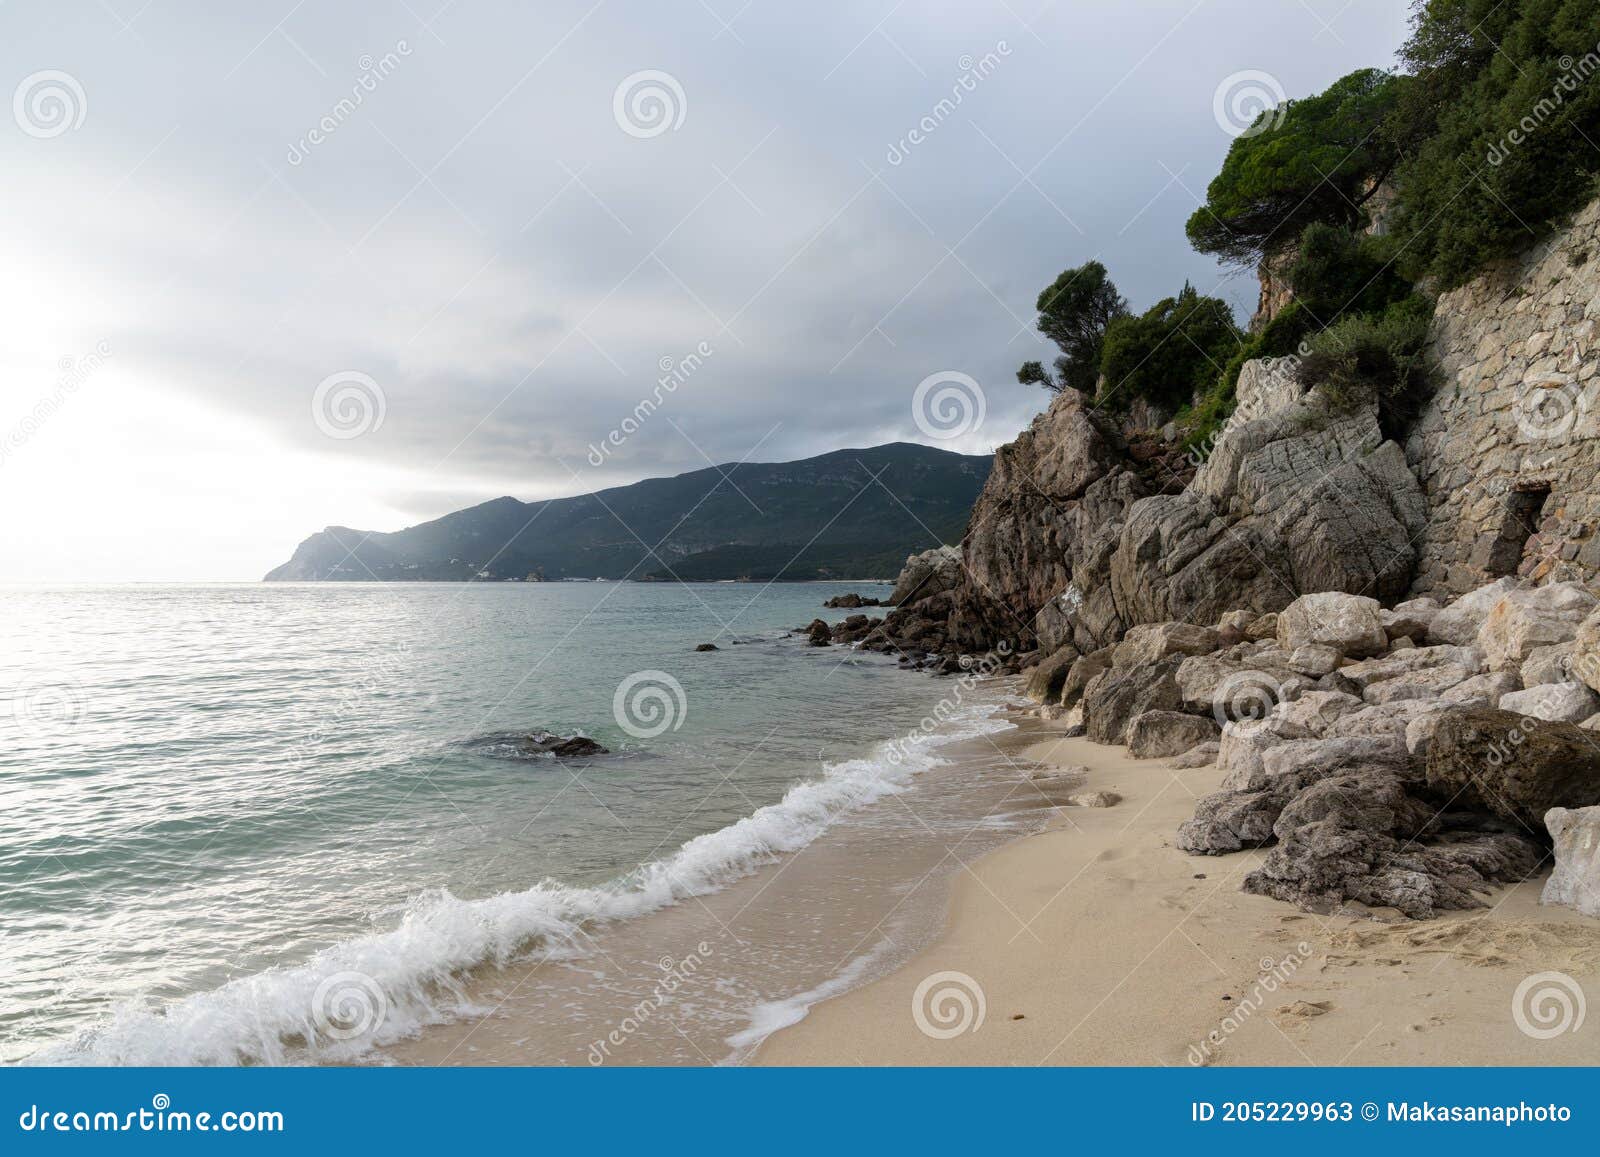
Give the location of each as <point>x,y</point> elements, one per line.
<point>376,989</point>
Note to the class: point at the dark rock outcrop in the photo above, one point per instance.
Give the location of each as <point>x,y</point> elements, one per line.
<point>1120,694</point>
<point>1513,766</point>
<point>851,601</point>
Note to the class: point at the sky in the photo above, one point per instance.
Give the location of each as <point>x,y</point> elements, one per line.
<point>274,266</point>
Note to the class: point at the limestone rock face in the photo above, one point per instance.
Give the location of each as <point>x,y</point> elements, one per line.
<point>1554,702</point>
<point>930,573</point>
<point>1156,734</point>
<point>1550,664</point>
<point>1047,679</point>
<point>1053,495</point>
<point>1522,621</point>
<point>1498,762</point>
<point>1349,624</point>
<point>1459,622</point>
<point>1585,656</point>
<point>1119,695</point>
<point>1575,880</point>
<point>1151,642</point>
<point>1083,673</point>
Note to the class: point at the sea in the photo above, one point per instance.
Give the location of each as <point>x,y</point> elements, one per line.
<point>304,823</point>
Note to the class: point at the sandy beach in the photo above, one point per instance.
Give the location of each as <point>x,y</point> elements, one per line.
<point>1097,942</point>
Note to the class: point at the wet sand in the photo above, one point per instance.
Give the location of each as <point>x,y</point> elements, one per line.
<point>1097,942</point>
<point>704,981</point>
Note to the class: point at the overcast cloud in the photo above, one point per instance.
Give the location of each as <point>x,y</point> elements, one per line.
<point>479,234</point>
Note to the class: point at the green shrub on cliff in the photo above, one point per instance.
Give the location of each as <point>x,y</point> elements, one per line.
<point>1500,129</point>
<point>1335,271</point>
<point>1074,311</point>
<point>1317,159</point>
<point>1381,356</point>
<point>1279,337</point>
<point>1168,354</point>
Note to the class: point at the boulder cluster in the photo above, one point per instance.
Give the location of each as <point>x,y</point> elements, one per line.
<point>1401,758</point>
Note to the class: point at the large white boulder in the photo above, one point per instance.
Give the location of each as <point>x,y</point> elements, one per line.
<point>1152,642</point>
<point>1585,657</point>
<point>1350,624</point>
<point>1459,622</point>
<point>1575,880</point>
<point>1553,702</point>
<point>1522,621</point>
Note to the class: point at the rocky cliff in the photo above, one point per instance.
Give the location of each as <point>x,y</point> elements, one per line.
<point>1087,527</point>
<point>1252,605</point>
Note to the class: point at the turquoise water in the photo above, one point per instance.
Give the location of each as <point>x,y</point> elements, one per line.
<point>214,798</point>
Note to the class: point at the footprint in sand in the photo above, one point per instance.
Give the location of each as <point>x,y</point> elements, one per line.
<point>1306,1009</point>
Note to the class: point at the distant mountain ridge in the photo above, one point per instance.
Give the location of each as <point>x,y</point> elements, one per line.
<point>845,514</point>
